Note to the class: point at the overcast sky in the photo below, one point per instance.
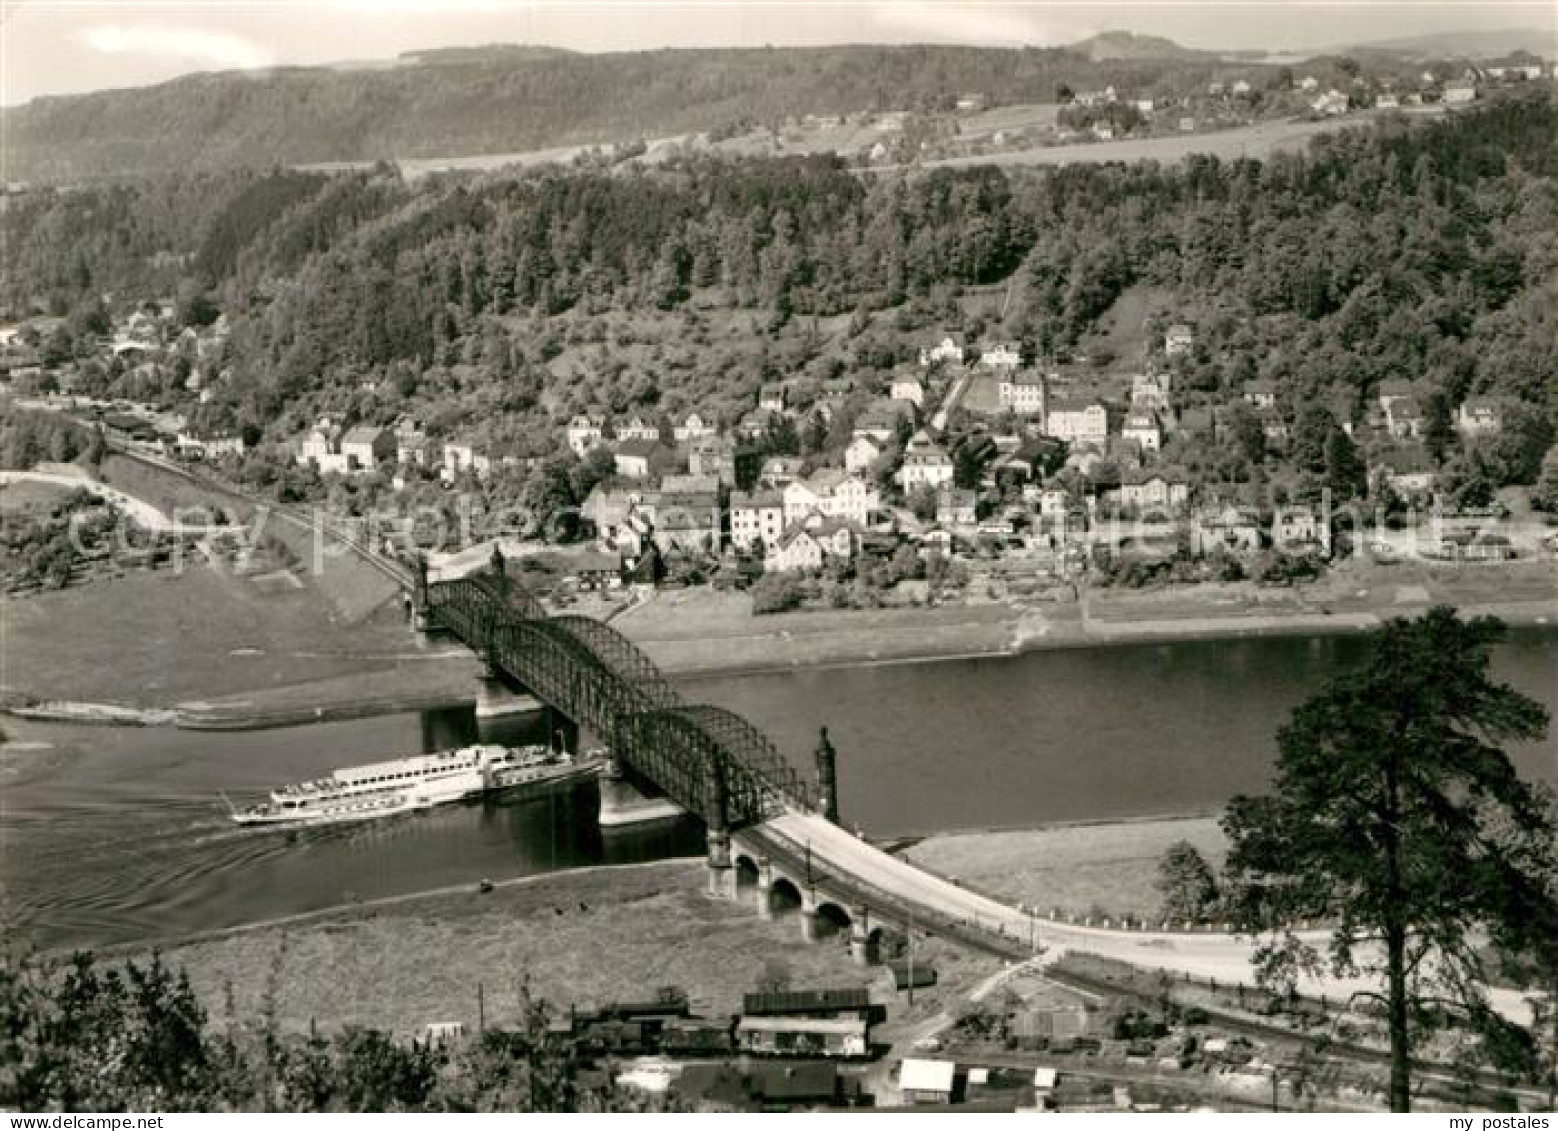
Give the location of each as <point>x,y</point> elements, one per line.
<point>61,46</point>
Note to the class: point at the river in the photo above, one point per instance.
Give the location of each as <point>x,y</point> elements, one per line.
<point>112,835</point>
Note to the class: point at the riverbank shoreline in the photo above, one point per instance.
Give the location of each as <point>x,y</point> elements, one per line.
<point>819,646</point>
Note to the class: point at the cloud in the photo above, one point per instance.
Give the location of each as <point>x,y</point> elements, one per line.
<point>212,50</point>
<point>967,23</point>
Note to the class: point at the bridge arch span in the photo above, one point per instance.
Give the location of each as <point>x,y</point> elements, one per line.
<point>832,919</point>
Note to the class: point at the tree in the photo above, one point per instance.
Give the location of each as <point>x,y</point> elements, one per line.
<point>1394,812</point>
<point>1186,882</point>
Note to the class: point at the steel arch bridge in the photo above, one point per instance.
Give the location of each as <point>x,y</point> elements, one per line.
<point>707,760</point>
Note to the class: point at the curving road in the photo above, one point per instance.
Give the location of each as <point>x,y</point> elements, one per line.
<point>846,859</point>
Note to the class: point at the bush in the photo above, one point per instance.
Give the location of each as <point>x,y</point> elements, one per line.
<point>776,593</point>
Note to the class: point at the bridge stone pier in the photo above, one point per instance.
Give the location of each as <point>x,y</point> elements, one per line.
<point>821,911</point>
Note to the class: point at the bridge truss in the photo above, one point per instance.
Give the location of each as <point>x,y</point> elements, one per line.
<point>707,760</point>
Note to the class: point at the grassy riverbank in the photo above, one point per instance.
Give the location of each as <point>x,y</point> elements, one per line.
<point>1081,869</point>
<point>225,650</point>
<point>591,936</point>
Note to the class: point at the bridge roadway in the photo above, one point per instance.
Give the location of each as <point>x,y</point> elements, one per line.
<point>852,872</point>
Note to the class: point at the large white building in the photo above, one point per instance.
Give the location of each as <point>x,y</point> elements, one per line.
<point>925,464</point>
<point>756,516</point>
<point>832,492</point>
<point>1078,422</point>
<point>1023,392</point>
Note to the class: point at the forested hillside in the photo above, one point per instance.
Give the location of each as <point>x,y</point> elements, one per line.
<point>506,101</point>
<point>1421,252</point>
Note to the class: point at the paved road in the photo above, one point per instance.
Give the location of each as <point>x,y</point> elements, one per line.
<point>1225,957</point>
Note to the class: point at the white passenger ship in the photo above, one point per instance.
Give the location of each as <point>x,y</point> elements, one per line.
<point>361,793</point>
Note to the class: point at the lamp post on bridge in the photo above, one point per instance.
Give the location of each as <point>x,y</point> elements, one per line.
<point>827,776</point>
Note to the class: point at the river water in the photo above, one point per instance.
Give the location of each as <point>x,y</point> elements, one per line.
<point>111,835</point>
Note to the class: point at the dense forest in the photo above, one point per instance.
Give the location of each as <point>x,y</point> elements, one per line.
<point>1424,252</point>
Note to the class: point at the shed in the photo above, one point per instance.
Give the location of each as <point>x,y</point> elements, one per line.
<point>926,1081</point>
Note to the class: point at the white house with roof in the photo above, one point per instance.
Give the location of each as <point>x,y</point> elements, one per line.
<point>1155,491</point>
<point>1299,529</point>
<point>833,493</point>
<point>1078,422</point>
<point>693,428</point>
<point>925,464</point>
<point>1001,355</point>
<point>1150,391</point>
<point>807,544</point>
<point>1479,416</point>
<point>908,388</point>
<point>460,456</point>
<point>365,446</point>
<point>585,432</point>
<point>862,453</point>
<point>945,350</point>
<point>1180,339</point>
<point>1143,430</point>
<point>638,428</point>
<point>1022,391</point>
<point>754,516</point>
<point>1261,394</point>
<point>772,398</point>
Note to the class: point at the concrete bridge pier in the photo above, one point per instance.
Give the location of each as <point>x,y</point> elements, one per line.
<point>811,929</point>
<point>496,699</point>
<point>721,869</point>
<point>863,941</point>
<point>765,888</point>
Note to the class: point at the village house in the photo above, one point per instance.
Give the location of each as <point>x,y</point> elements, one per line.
<point>321,445</point>
<point>881,420</point>
<point>908,388</point>
<point>411,442</point>
<point>1479,416</point>
<point>772,398</point>
<point>1154,491</point>
<point>1394,389</point>
<point>1241,86</point>
<point>1077,422</point>
<point>756,516</point>
<point>365,446</point>
<point>712,455</point>
<point>1331,103</point>
<point>208,443</point>
<point>833,493</point>
<point>955,507</point>
<point>1275,428</point>
<point>637,428</point>
<point>1001,355</point>
<point>687,521</point>
<point>1054,502</point>
<point>692,429</point>
<point>1405,418</point>
<point>1407,471</point>
<point>585,432</point>
<point>1150,392</point>
<point>862,453</point>
<point>463,457</point>
<point>780,471</point>
<point>632,458</point>
<point>1141,428</point>
<point>1309,83</point>
<point>1103,131</point>
<point>925,464</point>
<point>606,509</point>
<point>758,423</point>
<point>810,542</point>
<point>1261,394</point>
<point>1300,530</point>
<point>1022,392</point>
<point>1459,92</point>
<point>1224,529</point>
<point>1187,125</point>
<point>1180,339</point>
<point>1387,101</point>
<point>944,351</point>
